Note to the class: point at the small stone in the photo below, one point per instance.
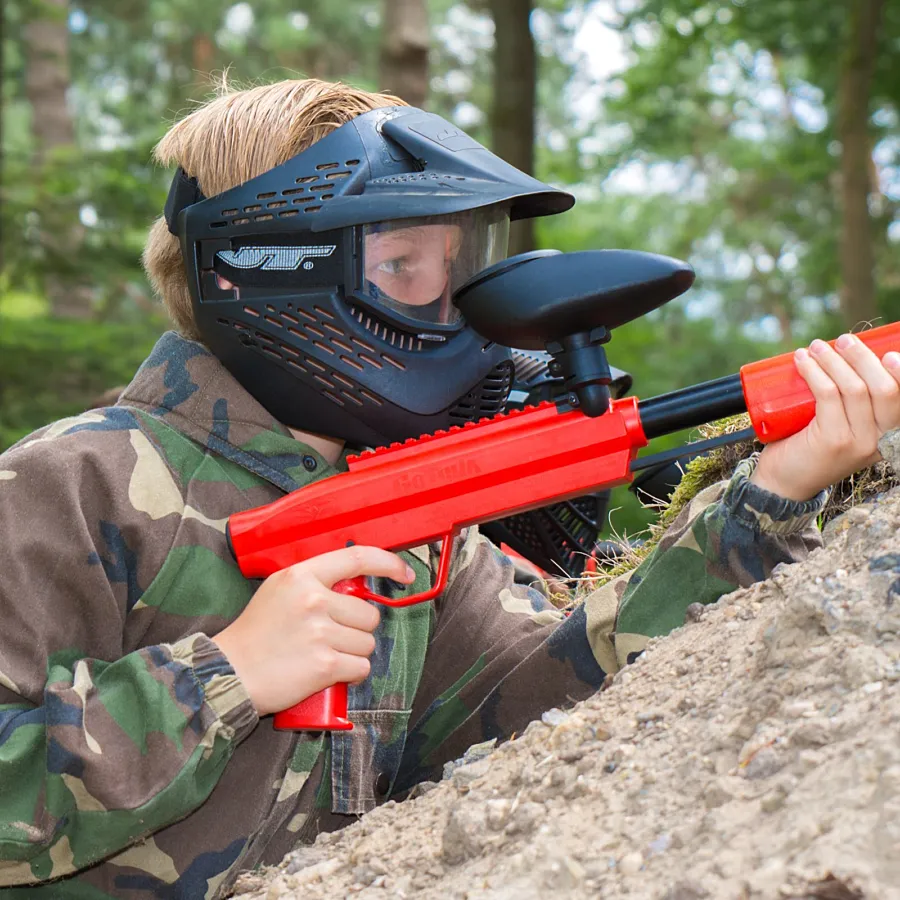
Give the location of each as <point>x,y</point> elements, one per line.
<point>807,760</point>
<point>716,795</point>
<point>694,612</point>
<point>814,733</point>
<point>631,863</point>
<point>464,776</point>
<point>889,448</point>
<point>653,715</point>
<point>660,844</point>
<point>762,764</point>
<point>301,859</point>
<point>576,870</point>
<point>525,818</point>
<point>889,562</point>
<point>857,514</point>
<point>497,813</point>
<point>774,801</point>
<point>554,717</point>
<point>363,875</point>
<point>473,754</point>
<point>798,708</point>
<point>421,789</point>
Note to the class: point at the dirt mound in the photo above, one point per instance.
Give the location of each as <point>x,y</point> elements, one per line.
<point>753,753</point>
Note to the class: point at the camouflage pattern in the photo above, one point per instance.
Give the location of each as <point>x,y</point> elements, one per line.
<point>132,761</point>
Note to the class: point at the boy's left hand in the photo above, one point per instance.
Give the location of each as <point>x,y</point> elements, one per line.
<point>857,401</point>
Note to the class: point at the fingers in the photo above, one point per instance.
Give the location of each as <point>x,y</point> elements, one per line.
<point>880,377</point>
<point>831,418</point>
<point>351,612</point>
<point>350,562</point>
<point>850,403</point>
<point>352,641</point>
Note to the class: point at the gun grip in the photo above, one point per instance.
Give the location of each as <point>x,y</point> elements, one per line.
<point>326,710</point>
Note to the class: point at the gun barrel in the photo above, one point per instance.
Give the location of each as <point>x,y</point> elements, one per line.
<point>692,406</point>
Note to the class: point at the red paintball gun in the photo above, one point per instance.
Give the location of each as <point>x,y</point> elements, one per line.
<point>428,489</point>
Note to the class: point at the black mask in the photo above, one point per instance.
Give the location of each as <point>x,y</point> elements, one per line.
<point>335,314</point>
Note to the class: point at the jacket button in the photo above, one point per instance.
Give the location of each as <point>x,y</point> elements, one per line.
<point>382,784</point>
<point>309,463</point>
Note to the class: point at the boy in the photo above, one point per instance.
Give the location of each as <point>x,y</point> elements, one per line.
<point>311,244</point>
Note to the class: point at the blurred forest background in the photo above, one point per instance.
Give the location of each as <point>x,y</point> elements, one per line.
<point>758,139</point>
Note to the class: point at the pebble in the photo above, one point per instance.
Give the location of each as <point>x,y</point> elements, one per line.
<point>464,776</point>
<point>554,717</point>
<point>764,763</point>
<point>631,863</point>
<point>694,612</point>
<point>660,844</point>
<point>497,813</point>
<point>774,801</point>
<point>857,514</point>
<point>525,817</point>
<point>716,795</point>
<point>301,858</point>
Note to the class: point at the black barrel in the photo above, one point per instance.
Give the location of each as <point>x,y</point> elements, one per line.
<point>692,406</point>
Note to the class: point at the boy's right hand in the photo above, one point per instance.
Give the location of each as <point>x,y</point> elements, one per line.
<point>296,636</point>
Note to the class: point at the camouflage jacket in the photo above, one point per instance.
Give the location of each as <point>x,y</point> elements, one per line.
<point>132,761</point>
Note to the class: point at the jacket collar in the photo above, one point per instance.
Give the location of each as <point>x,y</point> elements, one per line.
<point>184,385</point>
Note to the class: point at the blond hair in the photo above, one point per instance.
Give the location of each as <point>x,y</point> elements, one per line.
<point>235,137</point>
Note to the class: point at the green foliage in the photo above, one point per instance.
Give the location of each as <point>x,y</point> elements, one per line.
<point>739,101</point>
<point>715,144</point>
<point>53,369</point>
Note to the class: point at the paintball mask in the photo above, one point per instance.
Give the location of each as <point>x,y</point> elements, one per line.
<point>325,284</point>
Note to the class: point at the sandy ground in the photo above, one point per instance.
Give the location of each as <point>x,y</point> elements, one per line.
<point>753,753</point>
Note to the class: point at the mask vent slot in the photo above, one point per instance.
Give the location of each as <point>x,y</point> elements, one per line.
<point>559,538</point>
<point>317,189</point>
<point>384,332</point>
<point>487,398</point>
<point>336,386</point>
<point>527,367</point>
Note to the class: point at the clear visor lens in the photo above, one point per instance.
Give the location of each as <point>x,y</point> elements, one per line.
<point>413,266</point>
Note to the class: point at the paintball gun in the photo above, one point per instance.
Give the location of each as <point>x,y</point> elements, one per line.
<point>428,489</point>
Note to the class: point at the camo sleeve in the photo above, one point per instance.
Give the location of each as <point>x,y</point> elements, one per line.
<point>500,654</point>
<point>730,535</point>
<point>98,746</point>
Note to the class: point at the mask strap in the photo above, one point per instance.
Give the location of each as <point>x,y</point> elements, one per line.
<point>183,192</point>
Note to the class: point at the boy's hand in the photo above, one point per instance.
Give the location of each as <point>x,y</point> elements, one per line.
<point>857,401</point>
<point>296,636</point>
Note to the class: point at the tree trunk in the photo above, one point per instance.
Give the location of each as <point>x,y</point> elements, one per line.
<point>203,53</point>
<point>857,255</point>
<point>515,91</point>
<point>403,65</point>
<point>46,85</point>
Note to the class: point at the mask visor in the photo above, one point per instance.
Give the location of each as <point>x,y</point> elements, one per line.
<point>413,266</point>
